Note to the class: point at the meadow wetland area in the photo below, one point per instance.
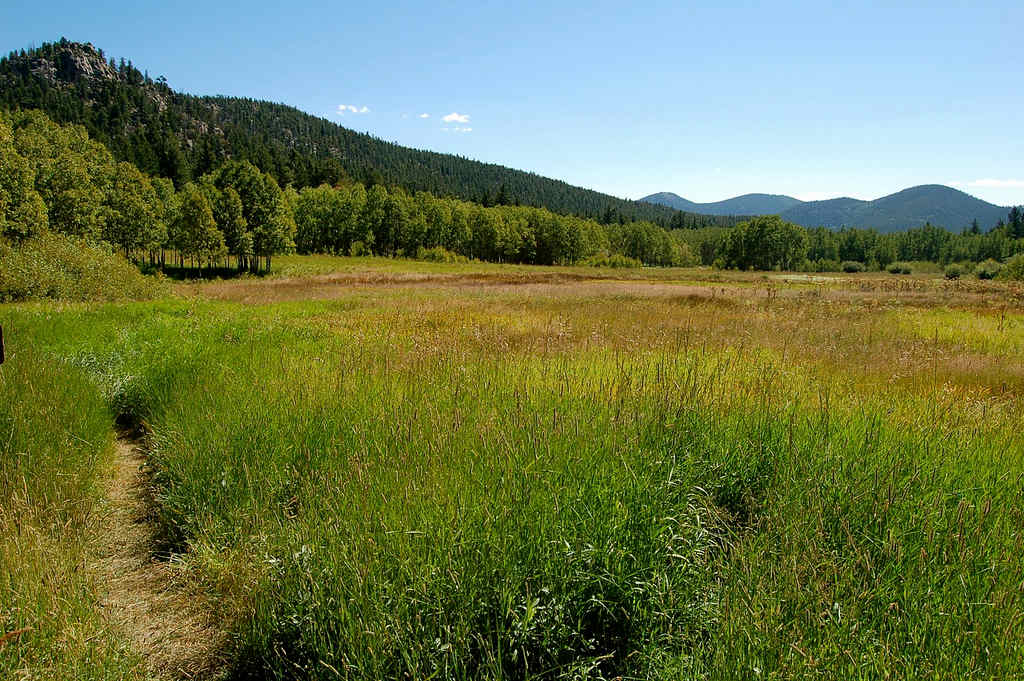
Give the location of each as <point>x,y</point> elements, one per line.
<point>379,347</point>
<point>369,468</point>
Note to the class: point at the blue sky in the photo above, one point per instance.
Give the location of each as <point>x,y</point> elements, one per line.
<point>708,100</point>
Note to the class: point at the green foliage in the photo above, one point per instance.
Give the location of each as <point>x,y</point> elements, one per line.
<point>852,266</point>
<point>703,245</point>
<point>899,268</point>
<point>22,211</point>
<point>824,265</point>
<point>439,254</point>
<point>953,271</point>
<point>68,268</point>
<point>988,269</point>
<point>1013,270</point>
<point>74,176</point>
<point>615,260</point>
<point>391,222</point>
<point>196,234</point>
<point>765,243</point>
<point>265,210</point>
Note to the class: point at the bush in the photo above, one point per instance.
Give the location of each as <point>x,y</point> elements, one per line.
<point>55,266</point>
<point>899,268</point>
<point>358,249</point>
<point>605,259</point>
<point>825,265</point>
<point>439,254</point>
<point>1013,270</point>
<point>953,271</point>
<point>851,266</point>
<point>988,269</point>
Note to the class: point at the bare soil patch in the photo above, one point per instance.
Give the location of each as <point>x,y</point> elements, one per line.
<point>142,594</point>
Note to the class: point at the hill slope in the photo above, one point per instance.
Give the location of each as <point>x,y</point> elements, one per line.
<point>748,204</point>
<point>935,203</point>
<point>940,205</point>
<point>183,136</point>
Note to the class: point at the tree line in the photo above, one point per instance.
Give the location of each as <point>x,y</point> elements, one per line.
<point>55,177</point>
<point>768,242</point>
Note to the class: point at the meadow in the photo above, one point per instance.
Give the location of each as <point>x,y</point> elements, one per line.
<point>365,468</point>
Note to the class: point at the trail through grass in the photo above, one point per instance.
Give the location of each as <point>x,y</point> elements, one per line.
<point>164,620</point>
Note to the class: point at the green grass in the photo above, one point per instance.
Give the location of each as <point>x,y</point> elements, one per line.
<point>55,440</point>
<point>510,485</point>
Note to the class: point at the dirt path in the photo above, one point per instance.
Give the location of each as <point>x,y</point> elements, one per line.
<point>142,594</point>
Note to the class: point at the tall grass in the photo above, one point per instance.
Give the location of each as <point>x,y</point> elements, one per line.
<point>630,487</point>
<point>55,442</point>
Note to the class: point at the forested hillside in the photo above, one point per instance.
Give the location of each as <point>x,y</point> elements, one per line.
<point>914,207</point>
<point>182,137</point>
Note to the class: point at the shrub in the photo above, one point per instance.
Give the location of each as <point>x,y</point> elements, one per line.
<point>439,254</point>
<point>953,271</point>
<point>825,265</point>
<point>1013,269</point>
<point>358,249</point>
<point>851,266</point>
<point>60,267</point>
<point>899,268</point>
<point>605,259</point>
<point>988,269</point>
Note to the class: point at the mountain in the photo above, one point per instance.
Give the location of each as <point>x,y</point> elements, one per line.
<point>748,204</point>
<point>183,136</point>
<point>935,203</point>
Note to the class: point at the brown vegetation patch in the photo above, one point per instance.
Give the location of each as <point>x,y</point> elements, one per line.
<point>700,285</point>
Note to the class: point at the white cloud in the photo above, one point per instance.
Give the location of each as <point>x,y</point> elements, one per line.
<point>458,129</point>
<point>349,108</point>
<point>456,118</point>
<point>424,115</point>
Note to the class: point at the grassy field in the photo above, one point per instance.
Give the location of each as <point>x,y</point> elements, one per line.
<point>382,469</point>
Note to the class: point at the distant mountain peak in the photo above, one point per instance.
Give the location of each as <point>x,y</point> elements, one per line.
<point>747,204</point>
<point>908,208</point>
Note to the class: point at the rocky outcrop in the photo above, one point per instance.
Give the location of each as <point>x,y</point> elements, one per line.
<point>72,62</point>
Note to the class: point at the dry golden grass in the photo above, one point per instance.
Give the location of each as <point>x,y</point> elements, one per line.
<point>874,326</point>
